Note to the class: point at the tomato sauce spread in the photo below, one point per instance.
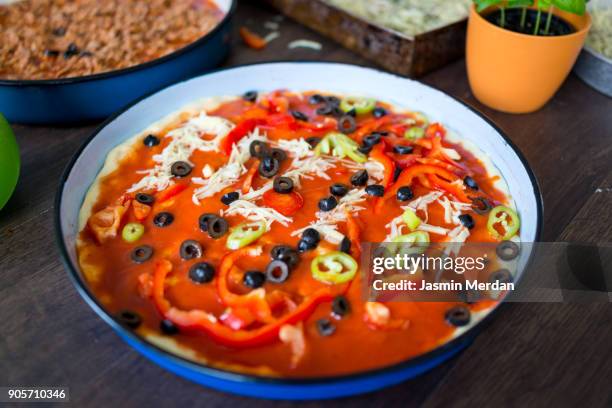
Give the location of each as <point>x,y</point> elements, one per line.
<point>234,233</point>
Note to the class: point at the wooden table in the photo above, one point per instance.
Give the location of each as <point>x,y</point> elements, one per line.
<point>530,355</point>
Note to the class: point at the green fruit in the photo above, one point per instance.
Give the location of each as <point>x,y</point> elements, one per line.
<point>9,161</point>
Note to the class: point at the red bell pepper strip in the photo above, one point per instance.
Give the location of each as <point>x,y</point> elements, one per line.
<point>408,175</point>
<point>248,180</point>
<point>368,126</point>
<point>170,192</point>
<point>436,162</point>
<point>251,39</point>
<point>141,211</point>
<point>256,300</point>
<point>379,155</point>
<point>454,189</point>
<point>286,204</point>
<point>202,321</point>
<point>406,160</point>
<point>435,130</point>
<point>241,130</point>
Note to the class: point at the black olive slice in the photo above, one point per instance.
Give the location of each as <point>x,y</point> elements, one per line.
<point>304,246</point>
<point>254,279</point>
<point>143,198</point>
<point>481,205</point>
<point>141,254</point>
<point>169,328</point>
<point>325,327</point>
<point>396,173</point>
<point>340,306</point>
<point>345,245</point>
<point>258,149</point>
<point>129,319</point>
<point>205,219</point>
<point>191,249</point>
<point>364,149</point>
<point>150,141</point>
<point>332,101</point>
<point>467,221</point>
<point>470,183</point>
<point>458,316</point>
<point>313,141</point>
<point>311,235</point>
<point>507,250</point>
<point>360,178</point>
<point>278,154</point>
<point>502,276</point>
<point>339,190</point>
<point>379,112</point>
<point>250,96</point>
<point>371,139</point>
<point>347,124</point>
<point>286,254</point>
<point>202,272</point>
<point>404,193</point>
<point>375,190</point>
<point>299,115</point>
<point>401,149</point>
<point>283,185</point>
<point>268,167</point>
<point>325,110</point>
<point>163,219</point>
<point>328,203</point>
<point>180,169</point>
<point>316,99</point>
<point>277,272</point>
<point>230,197</point>
<point>217,227</point>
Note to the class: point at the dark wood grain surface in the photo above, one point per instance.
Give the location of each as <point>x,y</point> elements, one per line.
<point>530,355</point>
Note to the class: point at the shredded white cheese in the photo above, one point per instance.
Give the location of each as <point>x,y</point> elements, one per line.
<point>186,139</point>
<point>305,44</point>
<point>326,221</point>
<point>229,173</point>
<point>375,170</point>
<point>271,36</point>
<point>254,212</point>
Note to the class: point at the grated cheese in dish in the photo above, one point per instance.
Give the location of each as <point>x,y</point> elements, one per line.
<point>186,139</point>
<point>410,17</point>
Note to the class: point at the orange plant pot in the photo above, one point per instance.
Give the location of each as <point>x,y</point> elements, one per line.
<point>519,73</point>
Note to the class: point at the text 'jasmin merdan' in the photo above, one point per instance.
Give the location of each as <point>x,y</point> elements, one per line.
<point>412,263</point>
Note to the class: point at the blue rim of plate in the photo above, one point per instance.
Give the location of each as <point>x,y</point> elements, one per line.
<point>219,373</point>
<point>118,72</point>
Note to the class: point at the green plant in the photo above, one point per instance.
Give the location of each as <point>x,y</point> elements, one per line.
<point>572,6</point>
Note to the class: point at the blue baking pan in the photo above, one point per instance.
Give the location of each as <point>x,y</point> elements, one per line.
<point>297,76</point>
<point>87,98</point>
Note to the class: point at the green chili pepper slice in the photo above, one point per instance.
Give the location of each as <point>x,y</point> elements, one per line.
<point>418,240</point>
<point>411,219</point>
<point>132,232</point>
<point>507,218</point>
<point>339,268</point>
<point>341,146</point>
<point>414,133</point>
<point>361,106</point>
<point>244,234</point>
